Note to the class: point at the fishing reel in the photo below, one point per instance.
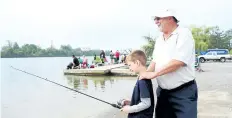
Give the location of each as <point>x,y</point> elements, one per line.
<point>120,103</point>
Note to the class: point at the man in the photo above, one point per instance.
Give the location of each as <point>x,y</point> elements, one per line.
<point>117,55</point>
<point>102,56</point>
<point>85,62</point>
<point>173,68</point>
<point>74,64</point>
<point>75,61</point>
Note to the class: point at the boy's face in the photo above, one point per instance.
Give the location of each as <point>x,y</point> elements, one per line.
<point>134,66</point>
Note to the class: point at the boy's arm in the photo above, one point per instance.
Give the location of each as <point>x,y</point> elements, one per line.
<point>144,104</point>
<point>144,97</point>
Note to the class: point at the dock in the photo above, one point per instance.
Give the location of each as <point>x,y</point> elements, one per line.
<point>115,69</point>
<point>122,72</point>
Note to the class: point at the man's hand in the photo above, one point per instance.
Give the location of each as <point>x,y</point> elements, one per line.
<point>148,75</point>
<point>125,109</point>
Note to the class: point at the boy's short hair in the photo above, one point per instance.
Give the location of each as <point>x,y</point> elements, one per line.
<point>137,55</point>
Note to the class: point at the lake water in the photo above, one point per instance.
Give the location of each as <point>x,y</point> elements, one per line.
<point>25,96</point>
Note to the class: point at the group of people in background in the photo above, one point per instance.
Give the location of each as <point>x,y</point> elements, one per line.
<point>114,58</point>
<point>79,62</point>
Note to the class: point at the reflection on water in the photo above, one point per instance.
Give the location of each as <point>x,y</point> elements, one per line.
<point>81,82</point>
<point>107,88</point>
<point>24,96</point>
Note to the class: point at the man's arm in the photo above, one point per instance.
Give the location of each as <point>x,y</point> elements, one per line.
<point>73,62</point>
<point>172,66</point>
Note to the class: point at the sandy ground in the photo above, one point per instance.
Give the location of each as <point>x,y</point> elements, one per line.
<point>215,92</point>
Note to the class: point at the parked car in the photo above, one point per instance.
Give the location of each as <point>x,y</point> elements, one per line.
<point>215,56</point>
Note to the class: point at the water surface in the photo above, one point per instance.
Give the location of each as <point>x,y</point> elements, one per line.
<point>25,96</point>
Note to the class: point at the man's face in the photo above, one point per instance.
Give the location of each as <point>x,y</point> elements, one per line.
<point>162,23</point>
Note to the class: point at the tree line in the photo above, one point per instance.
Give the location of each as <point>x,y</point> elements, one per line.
<point>205,38</point>
<point>12,49</point>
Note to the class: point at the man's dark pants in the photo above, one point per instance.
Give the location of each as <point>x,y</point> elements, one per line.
<point>180,102</point>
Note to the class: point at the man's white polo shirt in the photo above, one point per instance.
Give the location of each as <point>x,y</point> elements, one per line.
<point>179,46</point>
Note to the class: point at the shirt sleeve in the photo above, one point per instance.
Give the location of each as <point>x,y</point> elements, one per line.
<point>144,104</point>
<point>184,47</point>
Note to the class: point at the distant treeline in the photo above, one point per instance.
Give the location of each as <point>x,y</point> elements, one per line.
<point>12,49</point>
<point>205,38</point>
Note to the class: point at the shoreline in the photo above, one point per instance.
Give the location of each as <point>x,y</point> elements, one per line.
<point>214,91</point>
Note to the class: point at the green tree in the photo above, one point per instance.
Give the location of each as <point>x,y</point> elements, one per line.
<point>66,50</point>
<point>12,49</point>
<point>30,50</point>
<point>231,51</point>
<point>7,50</point>
<point>228,38</point>
<point>201,36</point>
<point>149,47</point>
<point>16,46</point>
<point>219,38</point>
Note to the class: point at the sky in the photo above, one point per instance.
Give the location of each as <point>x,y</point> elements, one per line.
<point>101,24</point>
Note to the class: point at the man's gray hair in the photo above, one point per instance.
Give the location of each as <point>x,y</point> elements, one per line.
<point>174,18</point>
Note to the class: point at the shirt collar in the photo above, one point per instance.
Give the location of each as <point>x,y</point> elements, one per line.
<point>176,31</point>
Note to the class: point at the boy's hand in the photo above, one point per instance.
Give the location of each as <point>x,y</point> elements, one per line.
<point>123,102</point>
<point>126,102</point>
<point>148,75</point>
<point>126,109</point>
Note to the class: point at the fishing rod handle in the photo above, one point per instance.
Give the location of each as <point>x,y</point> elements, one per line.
<point>116,106</point>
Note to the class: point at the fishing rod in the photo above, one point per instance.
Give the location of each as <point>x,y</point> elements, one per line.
<point>114,105</point>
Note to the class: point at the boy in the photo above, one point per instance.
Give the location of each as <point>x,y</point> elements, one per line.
<point>142,101</point>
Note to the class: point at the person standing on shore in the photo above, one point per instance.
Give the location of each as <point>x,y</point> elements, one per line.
<point>117,55</point>
<point>173,68</point>
<point>103,56</point>
<point>111,57</point>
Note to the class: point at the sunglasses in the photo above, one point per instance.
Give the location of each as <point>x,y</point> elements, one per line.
<point>157,18</point>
